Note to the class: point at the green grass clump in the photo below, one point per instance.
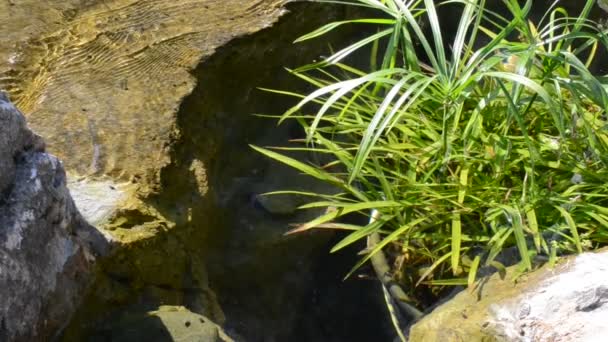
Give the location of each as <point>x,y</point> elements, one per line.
<point>496,139</point>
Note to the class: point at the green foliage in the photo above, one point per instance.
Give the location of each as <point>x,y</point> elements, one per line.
<point>495,139</point>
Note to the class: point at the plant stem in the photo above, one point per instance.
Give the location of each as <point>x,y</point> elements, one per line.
<point>383,273</point>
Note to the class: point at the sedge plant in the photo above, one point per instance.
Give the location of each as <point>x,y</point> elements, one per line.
<point>494,138</point>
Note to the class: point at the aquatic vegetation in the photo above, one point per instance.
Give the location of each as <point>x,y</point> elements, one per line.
<point>494,139</point>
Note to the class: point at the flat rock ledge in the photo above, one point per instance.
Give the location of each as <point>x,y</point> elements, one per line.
<point>46,249</point>
<point>563,304</point>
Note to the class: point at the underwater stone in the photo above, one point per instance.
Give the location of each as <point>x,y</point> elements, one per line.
<point>168,323</point>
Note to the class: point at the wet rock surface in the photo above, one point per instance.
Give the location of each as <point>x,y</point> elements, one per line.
<point>567,303</point>
<point>46,249</point>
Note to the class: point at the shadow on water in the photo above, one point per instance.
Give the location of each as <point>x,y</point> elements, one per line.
<point>150,328</point>
<point>271,287</point>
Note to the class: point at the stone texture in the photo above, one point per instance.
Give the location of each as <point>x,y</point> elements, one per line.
<point>15,138</point>
<point>565,304</point>
<point>46,248</point>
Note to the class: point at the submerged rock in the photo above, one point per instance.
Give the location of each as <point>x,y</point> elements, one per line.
<point>46,248</point>
<point>567,303</point>
<point>102,80</point>
<point>167,324</point>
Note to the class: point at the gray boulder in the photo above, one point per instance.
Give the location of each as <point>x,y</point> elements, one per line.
<point>46,248</point>
<point>567,303</point>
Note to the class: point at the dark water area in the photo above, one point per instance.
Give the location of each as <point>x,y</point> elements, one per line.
<point>273,287</point>
<point>344,310</point>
